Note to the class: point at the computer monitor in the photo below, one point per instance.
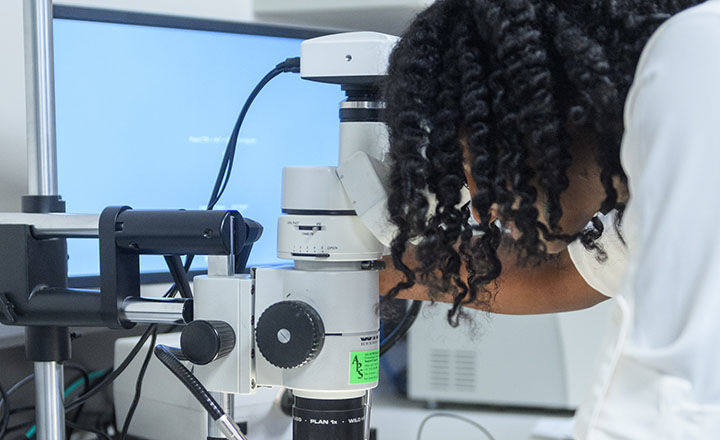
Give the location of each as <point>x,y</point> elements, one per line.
<point>145,105</point>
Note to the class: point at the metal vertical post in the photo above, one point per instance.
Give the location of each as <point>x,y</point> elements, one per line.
<point>50,411</point>
<point>40,97</point>
<point>42,181</point>
<point>227,402</point>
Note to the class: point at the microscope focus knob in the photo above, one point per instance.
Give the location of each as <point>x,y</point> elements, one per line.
<point>289,334</point>
<point>205,341</point>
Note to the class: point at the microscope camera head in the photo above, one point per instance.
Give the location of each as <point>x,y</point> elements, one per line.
<point>352,59</point>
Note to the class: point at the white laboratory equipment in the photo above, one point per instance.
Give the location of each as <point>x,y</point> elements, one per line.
<point>541,361</point>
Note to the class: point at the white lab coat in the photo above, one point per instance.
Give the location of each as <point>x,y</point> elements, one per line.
<point>660,377</point>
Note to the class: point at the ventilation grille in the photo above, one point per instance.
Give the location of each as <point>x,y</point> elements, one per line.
<point>465,369</point>
<point>440,369</point>
<point>453,370</point>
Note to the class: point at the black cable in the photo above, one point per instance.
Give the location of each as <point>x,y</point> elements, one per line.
<point>17,427</point>
<point>454,416</point>
<point>174,288</point>
<point>112,375</point>
<point>21,410</point>
<point>170,293</point>
<point>5,402</point>
<point>84,372</point>
<point>5,421</point>
<point>165,355</point>
<point>29,378</point>
<point>138,386</point>
<point>402,328</point>
<point>19,384</point>
<point>289,65</point>
<point>71,366</point>
<point>85,375</point>
<point>88,429</point>
<point>179,275</point>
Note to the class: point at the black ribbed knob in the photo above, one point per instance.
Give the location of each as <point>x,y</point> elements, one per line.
<point>205,341</point>
<point>289,334</point>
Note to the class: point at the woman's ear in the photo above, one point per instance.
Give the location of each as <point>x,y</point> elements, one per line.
<point>621,188</point>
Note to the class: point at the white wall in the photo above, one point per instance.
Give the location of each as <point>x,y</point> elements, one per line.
<point>387,16</point>
<point>13,163</point>
<point>13,153</point>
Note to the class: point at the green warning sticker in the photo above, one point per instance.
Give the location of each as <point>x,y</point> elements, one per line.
<point>364,366</point>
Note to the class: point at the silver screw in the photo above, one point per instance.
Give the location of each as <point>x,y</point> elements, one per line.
<point>283,335</point>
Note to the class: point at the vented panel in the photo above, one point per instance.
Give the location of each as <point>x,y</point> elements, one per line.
<point>453,370</point>
<point>439,369</point>
<point>465,370</point>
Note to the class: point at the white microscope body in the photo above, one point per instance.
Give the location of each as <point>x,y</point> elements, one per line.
<point>313,327</point>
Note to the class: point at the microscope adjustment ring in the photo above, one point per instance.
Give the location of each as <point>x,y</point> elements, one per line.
<point>289,334</point>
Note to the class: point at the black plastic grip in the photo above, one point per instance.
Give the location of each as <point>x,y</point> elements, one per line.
<point>180,232</point>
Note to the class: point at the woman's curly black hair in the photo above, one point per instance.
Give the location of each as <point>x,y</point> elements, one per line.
<point>508,78</point>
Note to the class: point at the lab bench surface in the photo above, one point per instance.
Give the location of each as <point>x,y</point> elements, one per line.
<point>396,418</point>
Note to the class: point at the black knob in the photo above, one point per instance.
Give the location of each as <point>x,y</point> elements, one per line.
<point>205,341</point>
<point>289,334</point>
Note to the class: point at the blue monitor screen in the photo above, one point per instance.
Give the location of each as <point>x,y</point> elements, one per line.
<point>144,114</point>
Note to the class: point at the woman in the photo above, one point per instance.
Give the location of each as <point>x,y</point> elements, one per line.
<point>552,111</point>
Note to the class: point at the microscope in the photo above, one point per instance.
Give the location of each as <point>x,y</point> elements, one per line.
<point>311,327</point>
